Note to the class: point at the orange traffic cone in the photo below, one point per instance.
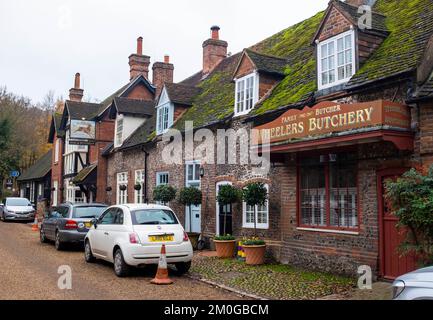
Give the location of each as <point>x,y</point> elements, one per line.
<point>161,277</point>
<point>35,225</point>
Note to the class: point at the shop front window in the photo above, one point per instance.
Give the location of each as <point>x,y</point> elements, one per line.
<point>328,192</point>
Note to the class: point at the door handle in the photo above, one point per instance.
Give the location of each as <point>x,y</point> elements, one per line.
<point>106,233</point>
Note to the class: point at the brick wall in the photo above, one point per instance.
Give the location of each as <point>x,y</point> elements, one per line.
<point>57,170</point>
<point>335,24</point>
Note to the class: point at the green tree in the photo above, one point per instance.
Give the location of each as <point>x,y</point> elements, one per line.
<point>411,200</point>
<point>255,194</point>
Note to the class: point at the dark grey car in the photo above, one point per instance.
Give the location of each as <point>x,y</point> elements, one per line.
<point>69,223</point>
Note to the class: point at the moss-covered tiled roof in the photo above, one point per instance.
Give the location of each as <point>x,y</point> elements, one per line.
<point>134,106</point>
<point>266,63</point>
<point>39,169</point>
<point>181,93</point>
<point>410,23</point>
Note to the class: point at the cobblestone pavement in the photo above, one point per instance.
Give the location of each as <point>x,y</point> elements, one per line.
<point>270,281</point>
<point>28,270</point>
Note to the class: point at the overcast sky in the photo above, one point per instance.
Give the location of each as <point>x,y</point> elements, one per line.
<point>44,43</point>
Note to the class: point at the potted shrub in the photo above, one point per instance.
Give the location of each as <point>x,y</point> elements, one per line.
<point>189,197</point>
<point>255,250</point>
<point>255,194</point>
<point>164,193</point>
<point>225,243</point>
<point>225,246</point>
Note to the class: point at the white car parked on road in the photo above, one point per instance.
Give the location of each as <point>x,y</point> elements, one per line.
<point>132,236</point>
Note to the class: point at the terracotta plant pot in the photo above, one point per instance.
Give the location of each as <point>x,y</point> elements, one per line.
<point>193,237</point>
<point>255,255</point>
<point>225,249</point>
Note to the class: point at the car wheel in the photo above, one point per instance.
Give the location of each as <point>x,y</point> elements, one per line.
<point>42,236</point>
<point>121,269</point>
<point>88,255</point>
<point>182,267</point>
<point>57,243</point>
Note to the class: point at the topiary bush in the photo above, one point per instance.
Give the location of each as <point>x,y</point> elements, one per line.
<point>164,193</point>
<point>255,194</point>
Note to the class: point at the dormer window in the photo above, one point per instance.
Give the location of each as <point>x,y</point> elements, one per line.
<point>246,94</point>
<point>164,118</point>
<point>336,60</point>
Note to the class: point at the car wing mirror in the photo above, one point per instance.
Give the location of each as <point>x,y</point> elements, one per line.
<point>95,223</point>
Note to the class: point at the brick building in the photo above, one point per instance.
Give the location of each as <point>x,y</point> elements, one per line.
<point>345,105</point>
<point>326,208</point>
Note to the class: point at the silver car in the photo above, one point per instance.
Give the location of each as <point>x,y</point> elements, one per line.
<point>417,285</point>
<point>69,223</point>
<point>17,209</point>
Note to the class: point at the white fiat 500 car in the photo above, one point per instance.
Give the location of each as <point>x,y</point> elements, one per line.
<point>132,236</point>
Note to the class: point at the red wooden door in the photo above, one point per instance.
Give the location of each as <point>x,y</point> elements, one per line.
<point>394,264</point>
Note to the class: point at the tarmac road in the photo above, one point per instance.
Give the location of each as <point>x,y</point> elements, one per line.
<point>29,270</point>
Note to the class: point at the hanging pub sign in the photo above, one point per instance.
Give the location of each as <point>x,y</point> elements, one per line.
<point>82,132</point>
<point>330,117</point>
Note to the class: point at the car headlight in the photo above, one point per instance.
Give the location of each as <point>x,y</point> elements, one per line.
<point>397,288</point>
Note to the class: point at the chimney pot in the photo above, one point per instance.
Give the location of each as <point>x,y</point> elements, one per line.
<point>140,46</point>
<point>77,81</point>
<point>166,58</point>
<point>215,32</point>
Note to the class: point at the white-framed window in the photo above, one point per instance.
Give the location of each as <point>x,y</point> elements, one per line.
<point>247,93</point>
<point>122,182</point>
<point>56,151</point>
<point>161,178</point>
<point>336,60</point>
<point>164,117</point>
<point>55,192</point>
<point>119,131</point>
<point>139,179</point>
<point>73,193</point>
<point>262,215</point>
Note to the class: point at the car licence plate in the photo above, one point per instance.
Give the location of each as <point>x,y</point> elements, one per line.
<point>162,238</point>
<point>88,225</point>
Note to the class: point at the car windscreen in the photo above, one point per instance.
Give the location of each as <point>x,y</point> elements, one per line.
<point>18,202</point>
<point>153,217</point>
<point>88,212</point>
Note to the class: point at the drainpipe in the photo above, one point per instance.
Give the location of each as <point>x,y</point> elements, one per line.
<point>146,156</point>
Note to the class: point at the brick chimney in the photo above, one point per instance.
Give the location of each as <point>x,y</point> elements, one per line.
<point>75,93</point>
<point>139,63</point>
<point>162,73</point>
<point>214,51</point>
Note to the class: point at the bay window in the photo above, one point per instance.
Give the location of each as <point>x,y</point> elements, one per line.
<point>336,60</point>
<point>328,192</point>
<point>246,94</point>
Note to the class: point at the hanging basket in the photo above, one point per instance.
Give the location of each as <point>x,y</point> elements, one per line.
<point>123,187</point>
<point>137,187</point>
<point>108,189</point>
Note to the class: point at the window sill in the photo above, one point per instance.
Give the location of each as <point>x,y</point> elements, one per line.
<point>352,233</point>
<point>257,227</point>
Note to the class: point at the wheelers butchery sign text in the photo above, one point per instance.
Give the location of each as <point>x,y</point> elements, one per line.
<point>330,117</point>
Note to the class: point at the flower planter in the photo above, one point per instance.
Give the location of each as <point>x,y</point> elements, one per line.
<point>193,237</point>
<point>225,249</point>
<point>255,255</point>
